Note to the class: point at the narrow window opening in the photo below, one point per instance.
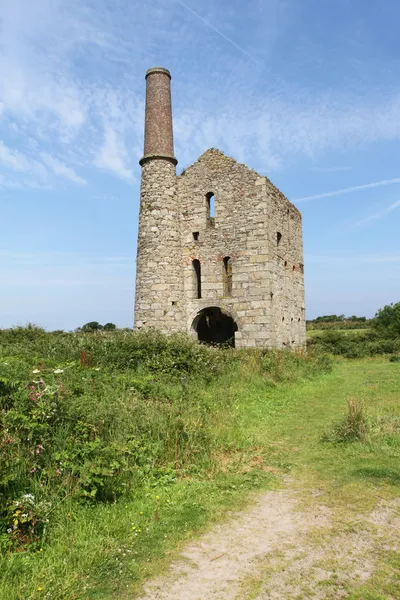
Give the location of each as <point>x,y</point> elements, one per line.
<point>197,278</point>
<point>195,235</point>
<point>272,295</point>
<point>210,206</point>
<point>285,263</point>
<point>278,237</point>
<point>174,303</point>
<point>294,267</point>
<point>301,267</point>
<point>227,276</point>
<point>298,319</point>
<point>283,318</point>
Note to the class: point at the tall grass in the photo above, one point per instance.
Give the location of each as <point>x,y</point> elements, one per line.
<point>354,426</point>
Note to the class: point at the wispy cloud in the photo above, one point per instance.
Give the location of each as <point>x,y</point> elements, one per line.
<point>14,160</point>
<point>72,80</point>
<point>349,190</point>
<point>61,169</point>
<point>330,169</point>
<point>230,41</point>
<point>378,215</point>
<point>113,155</point>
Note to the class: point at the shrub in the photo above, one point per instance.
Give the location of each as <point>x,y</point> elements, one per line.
<point>387,319</point>
<point>353,427</point>
<point>368,344</point>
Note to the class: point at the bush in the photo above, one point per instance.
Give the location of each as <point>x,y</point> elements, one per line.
<point>387,319</point>
<point>369,344</point>
<point>353,427</point>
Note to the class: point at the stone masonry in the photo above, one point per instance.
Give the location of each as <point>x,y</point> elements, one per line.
<point>237,274</point>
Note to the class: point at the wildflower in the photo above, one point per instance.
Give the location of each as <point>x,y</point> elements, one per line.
<point>36,371</point>
<point>59,371</point>
<point>40,589</point>
<point>29,498</point>
<point>9,530</point>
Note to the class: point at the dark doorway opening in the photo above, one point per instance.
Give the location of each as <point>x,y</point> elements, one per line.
<point>213,326</point>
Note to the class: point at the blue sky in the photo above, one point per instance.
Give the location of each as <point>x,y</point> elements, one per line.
<point>307,93</point>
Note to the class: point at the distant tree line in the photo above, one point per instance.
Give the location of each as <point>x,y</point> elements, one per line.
<point>339,322</point>
<point>337,318</point>
<point>95,326</point>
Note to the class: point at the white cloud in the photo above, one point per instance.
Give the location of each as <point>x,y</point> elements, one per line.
<point>113,155</point>
<point>15,160</point>
<point>61,169</point>
<point>72,79</point>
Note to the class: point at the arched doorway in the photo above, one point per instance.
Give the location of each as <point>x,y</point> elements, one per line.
<point>213,326</point>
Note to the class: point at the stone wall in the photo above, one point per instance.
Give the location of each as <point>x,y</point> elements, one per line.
<point>249,211</point>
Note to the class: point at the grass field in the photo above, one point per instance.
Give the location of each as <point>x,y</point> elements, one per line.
<point>264,430</point>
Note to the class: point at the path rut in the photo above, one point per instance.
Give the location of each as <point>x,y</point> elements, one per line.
<point>279,550</point>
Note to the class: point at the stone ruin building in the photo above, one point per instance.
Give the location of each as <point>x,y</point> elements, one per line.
<point>220,252</point>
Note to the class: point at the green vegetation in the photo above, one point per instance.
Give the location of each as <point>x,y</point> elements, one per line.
<point>387,319</point>
<point>95,326</point>
<point>355,344</point>
<point>329,322</point>
<point>92,423</point>
<point>117,446</point>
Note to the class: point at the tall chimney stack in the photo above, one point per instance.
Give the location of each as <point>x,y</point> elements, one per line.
<point>158,134</point>
<point>159,278</point>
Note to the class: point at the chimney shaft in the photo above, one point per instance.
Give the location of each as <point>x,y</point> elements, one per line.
<point>158,135</point>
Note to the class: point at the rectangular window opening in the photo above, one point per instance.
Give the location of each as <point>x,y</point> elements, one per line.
<point>196,278</point>
<point>210,206</point>
<point>195,236</point>
<point>227,276</point>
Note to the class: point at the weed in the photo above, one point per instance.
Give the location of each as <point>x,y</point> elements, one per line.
<point>353,427</point>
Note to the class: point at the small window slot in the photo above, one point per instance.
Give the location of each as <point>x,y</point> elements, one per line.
<point>227,276</point>
<point>210,207</point>
<point>196,278</point>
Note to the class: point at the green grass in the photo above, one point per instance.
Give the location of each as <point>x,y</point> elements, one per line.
<point>262,428</point>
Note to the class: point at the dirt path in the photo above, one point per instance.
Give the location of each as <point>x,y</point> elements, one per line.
<point>280,550</point>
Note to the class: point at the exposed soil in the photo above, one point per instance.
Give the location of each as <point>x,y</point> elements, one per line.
<point>280,550</point>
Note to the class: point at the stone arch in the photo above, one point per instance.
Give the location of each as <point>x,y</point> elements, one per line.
<point>214,325</point>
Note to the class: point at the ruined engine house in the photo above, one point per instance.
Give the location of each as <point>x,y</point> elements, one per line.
<point>220,251</point>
